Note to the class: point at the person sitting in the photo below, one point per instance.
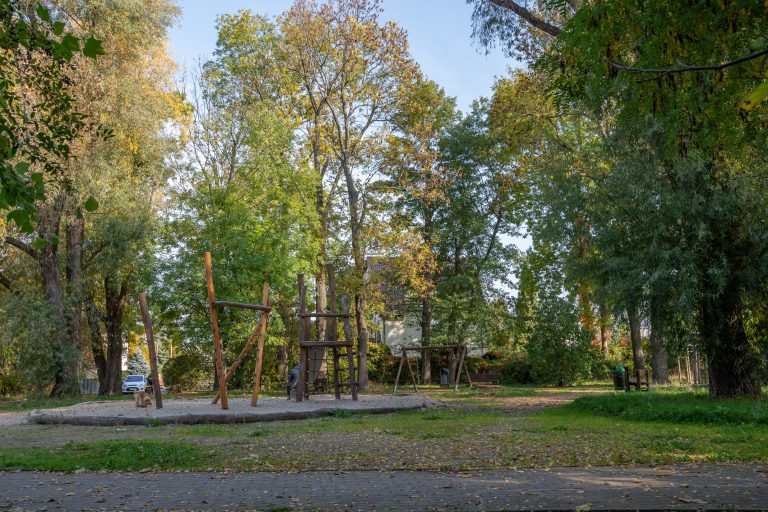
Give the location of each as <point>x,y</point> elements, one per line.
<point>293,380</point>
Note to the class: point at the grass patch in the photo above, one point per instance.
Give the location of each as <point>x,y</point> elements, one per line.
<point>122,455</point>
<point>674,406</point>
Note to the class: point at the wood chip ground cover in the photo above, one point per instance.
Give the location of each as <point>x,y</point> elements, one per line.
<point>485,429</point>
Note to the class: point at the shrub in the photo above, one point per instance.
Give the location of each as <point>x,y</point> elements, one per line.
<point>189,371</point>
<point>559,346</point>
<point>514,367</point>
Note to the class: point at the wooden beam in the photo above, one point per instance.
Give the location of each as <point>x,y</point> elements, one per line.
<point>260,351</point>
<point>217,352</point>
<point>240,305</point>
<point>152,352</point>
<point>399,370</point>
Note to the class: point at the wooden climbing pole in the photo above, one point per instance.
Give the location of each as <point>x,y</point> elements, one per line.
<point>257,337</point>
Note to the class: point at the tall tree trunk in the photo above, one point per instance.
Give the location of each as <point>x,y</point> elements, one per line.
<point>426,306</point>
<point>638,358</point>
<point>97,344</point>
<point>426,335</point>
<point>49,226</point>
<point>358,256</point>
<point>604,318</point>
<point>115,299</point>
<point>659,356</point>
<point>734,364</point>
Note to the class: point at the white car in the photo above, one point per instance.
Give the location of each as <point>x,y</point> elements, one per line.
<point>134,383</point>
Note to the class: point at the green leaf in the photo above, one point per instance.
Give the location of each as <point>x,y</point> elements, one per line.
<point>22,219</point>
<point>58,28</point>
<point>69,44</point>
<point>92,48</point>
<point>21,167</point>
<point>43,13</point>
<point>91,205</point>
<point>755,97</point>
<point>39,244</point>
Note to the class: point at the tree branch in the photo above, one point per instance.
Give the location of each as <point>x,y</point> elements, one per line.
<point>5,281</point>
<point>21,246</point>
<point>685,68</point>
<point>528,16</point>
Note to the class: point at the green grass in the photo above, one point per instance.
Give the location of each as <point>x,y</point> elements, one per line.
<point>674,406</point>
<point>122,454</point>
<point>480,429</point>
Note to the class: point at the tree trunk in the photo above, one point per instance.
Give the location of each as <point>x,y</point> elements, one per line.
<point>659,356</point>
<point>426,334</point>
<point>49,226</point>
<point>638,358</point>
<point>97,344</point>
<point>426,305</point>
<point>734,364</point>
<point>115,298</point>
<point>604,318</point>
<point>358,257</point>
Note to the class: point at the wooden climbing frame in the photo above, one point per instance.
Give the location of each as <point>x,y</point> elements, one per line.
<point>459,351</point>
<point>307,346</point>
<point>257,337</point>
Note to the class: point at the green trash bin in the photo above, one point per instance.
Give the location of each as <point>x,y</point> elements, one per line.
<point>619,378</point>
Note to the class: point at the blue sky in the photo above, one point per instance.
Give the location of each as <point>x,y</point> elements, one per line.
<point>439,32</point>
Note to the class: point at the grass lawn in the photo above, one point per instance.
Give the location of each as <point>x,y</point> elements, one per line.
<point>493,427</point>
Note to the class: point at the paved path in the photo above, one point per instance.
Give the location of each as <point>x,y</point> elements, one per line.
<point>711,487</point>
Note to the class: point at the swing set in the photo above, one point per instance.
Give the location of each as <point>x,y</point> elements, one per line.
<point>458,351</point>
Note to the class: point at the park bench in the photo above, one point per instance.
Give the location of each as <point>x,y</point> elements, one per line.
<point>640,379</point>
<point>486,378</point>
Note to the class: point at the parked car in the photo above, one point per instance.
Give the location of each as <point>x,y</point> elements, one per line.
<point>134,383</point>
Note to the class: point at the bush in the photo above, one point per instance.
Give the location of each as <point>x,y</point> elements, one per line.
<point>514,367</point>
<point>559,347</point>
<point>188,372</point>
<point>381,364</point>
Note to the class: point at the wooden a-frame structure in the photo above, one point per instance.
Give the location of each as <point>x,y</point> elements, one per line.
<point>257,337</point>
<point>459,351</point>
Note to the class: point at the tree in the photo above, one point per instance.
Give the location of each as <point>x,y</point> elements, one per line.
<point>413,161</point>
<point>473,228</point>
<point>38,119</point>
<point>137,363</point>
<point>362,65</point>
<point>699,154</point>
<point>241,194</point>
<point>131,158</point>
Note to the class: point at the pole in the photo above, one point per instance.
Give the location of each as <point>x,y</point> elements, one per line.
<point>217,353</point>
<point>152,353</point>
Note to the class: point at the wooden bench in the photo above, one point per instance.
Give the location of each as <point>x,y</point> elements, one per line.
<point>640,379</point>
<point>486,378</point>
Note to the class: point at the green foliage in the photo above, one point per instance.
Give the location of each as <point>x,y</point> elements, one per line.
<point>39,120</point>
<point>559,347</point>
<point>693,407</point>
<point>381,364</point>
<point>189,371</point>
<point>30,335</point>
